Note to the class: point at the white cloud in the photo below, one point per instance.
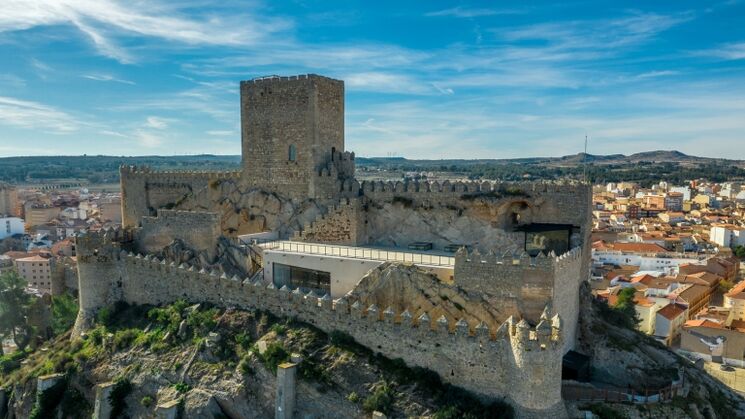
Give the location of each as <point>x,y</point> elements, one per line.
<point>103,21</point>
<point>734,51</point>
<point>463,12</point>
<point>106,77</point>
<point>220,132</point>
<point>155,122</point>
<point>148,139</point>
<point>33,115</point>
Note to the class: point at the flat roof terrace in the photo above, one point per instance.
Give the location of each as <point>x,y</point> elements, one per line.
<point>425,258</point>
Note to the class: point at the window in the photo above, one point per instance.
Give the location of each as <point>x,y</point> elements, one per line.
<point>294,276</point>
<point>292,153</point>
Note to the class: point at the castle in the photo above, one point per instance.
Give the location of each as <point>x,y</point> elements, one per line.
<point>522,247</point>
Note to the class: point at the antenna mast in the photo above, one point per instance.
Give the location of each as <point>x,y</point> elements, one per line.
<point>584,162</point>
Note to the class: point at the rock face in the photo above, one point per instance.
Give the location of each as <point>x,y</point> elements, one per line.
<point>407,287</point>
<point>393,224</point>
<point>245,211</point>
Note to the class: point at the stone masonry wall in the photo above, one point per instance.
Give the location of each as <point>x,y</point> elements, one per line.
<point>200,230</point>
<point>145,191</point>
<point>526,284</point>
<point>514,362</point>
<point>305,112</point>
<point>343,224</point>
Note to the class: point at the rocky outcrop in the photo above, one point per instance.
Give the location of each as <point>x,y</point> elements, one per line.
<point>407,287</point>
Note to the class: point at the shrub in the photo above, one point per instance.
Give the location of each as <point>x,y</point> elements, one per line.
<point>103,317</point>
<point>381,399</point>
<point>124,338</point>
<point>274,355</point>
<point>181,387</point>
<point>64,312</point>
<point>243,340</point>
<point>47,401</point>
<point>449,412</point>
<point>12,361</point>
<point>117,397</point>
<point>278,328</point>
<point>245,366</point>
<point>147,401</point>
<point>353,397</point>
<point>605,411</point>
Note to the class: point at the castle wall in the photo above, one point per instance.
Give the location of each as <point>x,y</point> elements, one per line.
<point>482,215</point>
<point>145,191</point>
<point>515,362</point>
<point>198,230</point>
<point>524,285</point>
<point>344,224</point>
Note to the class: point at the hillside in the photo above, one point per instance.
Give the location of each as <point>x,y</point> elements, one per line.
<point>220,363</point>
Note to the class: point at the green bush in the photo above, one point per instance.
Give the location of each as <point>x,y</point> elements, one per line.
<point>47,401</point>
<point>147,401</point>
<point>181,387</point>
<point>12,361</point>
<point>605,412</point>
<point>124,338</point>
<point>381,399</point>
<point>64,312</point>
<point>274,355</point>
<point>245,366</point>
<point>117,397</point>
<point>353,397</point>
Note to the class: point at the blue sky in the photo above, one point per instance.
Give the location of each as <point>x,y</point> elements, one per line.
<point>427,79</point>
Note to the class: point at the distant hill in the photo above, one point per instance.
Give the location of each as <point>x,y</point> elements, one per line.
<point>645,167</point>
<point>657,156</point>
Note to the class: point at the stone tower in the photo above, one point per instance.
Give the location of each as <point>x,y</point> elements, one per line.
<point>291,126</point>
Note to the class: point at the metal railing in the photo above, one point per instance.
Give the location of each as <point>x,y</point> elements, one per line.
<point>580,392</point>
<point>358,252</point>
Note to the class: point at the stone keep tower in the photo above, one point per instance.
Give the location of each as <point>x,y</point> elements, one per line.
<point>290,126</point>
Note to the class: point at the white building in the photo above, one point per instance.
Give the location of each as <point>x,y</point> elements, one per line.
<point>727,235</point>
<point>645,262</point>
<point>685,190</point>
<point>337,269</point>
<point>10,226</point>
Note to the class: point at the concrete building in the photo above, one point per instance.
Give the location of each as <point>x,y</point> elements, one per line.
<point>10,226</point>
<point>668,322</point>
<point>674,201</point>
<point>8,201</point>
<point>713,341</point>
<point>110,210</point>
<point>37,214</point>
<point>727,235</point>
<point>735,301</point>
<point>337,269</point>
<point>37,271</point>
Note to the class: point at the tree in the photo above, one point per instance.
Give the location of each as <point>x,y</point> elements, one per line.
<point>626,305</point>
<point>739,251</point>
<point>14,307</point>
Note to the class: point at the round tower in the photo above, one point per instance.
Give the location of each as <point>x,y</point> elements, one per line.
<point>99,275</point>
<point>535,387</point>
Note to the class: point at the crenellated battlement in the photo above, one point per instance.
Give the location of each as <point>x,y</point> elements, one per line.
<point>147,171</point>
<point>279,79</point>
<point>285,299</point>
<point>495,189</point>
<point>542,261</point>
<point>493,363</point>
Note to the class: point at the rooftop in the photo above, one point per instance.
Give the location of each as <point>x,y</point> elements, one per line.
<point>671,311</point>
<point>428,257</point>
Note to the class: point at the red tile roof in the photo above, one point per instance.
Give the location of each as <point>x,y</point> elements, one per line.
<point>671,311</point>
